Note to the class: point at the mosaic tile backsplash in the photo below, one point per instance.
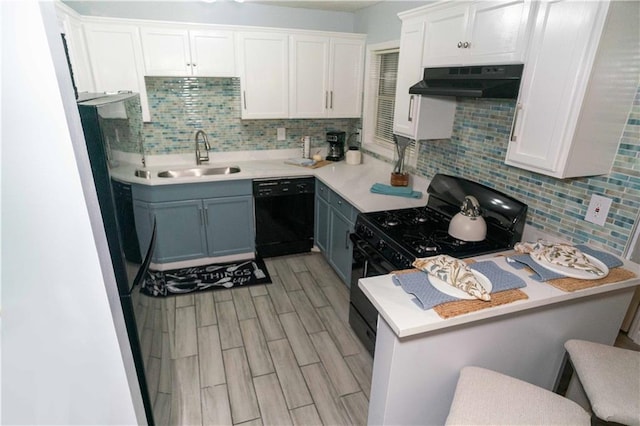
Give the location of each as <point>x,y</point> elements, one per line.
<point>181,105</point>
<point>477,150</point>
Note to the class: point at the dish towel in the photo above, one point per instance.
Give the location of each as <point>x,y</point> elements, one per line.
<point>417,283</point>
<point>304,162</point>
<point>399,191</point>
<point>542,274</point>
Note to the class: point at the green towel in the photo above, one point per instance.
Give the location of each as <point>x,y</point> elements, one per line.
<point>399,191</point>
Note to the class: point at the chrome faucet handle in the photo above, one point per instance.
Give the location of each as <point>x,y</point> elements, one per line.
<point>200,158</point>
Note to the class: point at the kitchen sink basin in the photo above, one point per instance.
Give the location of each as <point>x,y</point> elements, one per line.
<point>198,171</point>
<point>143,174</point>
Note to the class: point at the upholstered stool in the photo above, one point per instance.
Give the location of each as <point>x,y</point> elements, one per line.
<point>484,397</point>
<point>610,378</point>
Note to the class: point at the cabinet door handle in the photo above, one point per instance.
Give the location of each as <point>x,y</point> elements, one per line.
<point>346,240</point>
<point>244,98</point>
<point>331,98</point>
<point>410,116</point>
<point>512,137</point>
<point>466,44</point>
<point>188,64</point>
<point>326,99</point>
<point>459,44</point>
<point>205,214</point>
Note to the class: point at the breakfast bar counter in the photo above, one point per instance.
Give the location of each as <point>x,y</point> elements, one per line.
<point>418,354</point>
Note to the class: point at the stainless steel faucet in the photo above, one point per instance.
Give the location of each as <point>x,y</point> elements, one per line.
<point>200,158</point>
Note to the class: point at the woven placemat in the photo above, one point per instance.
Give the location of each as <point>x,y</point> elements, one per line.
<point>460,307</point>
<point>573,284</point>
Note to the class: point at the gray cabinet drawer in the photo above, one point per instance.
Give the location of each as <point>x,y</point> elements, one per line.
<point>322,190</point>
<point>341,205</point>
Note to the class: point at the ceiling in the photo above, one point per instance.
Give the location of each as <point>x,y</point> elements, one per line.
<point>334,5</point>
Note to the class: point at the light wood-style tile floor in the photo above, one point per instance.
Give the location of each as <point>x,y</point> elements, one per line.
<point>275,354</point>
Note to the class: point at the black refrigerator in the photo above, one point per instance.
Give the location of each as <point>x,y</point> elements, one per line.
<point>112,124</point>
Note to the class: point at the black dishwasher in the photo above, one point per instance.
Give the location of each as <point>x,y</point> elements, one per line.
<point>284,215</point>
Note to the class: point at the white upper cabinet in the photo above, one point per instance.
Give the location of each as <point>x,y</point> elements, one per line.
<point>263,59</point>
<point>309,76</point>
<point>213,53</point>
<point>418,117</point>
<point>473,33</point>
<point>172,51</point>
<point>326,76</point>
<point>115,54</point>
<point>578,84</point>
<point>71,27</point>
<point>346,67</point>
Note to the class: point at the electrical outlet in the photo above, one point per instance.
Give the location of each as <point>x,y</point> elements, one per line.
<point>598,209</point>
<point>282,133</point>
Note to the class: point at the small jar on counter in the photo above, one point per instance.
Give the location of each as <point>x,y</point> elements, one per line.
<point>354,156</point>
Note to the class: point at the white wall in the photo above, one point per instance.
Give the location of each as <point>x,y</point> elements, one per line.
<point>61,362</point>
<point>380,22</point>
<point>228,13</point>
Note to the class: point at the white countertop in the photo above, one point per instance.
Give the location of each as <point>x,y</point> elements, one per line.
<point>407,319</point>
<point>352,182</point>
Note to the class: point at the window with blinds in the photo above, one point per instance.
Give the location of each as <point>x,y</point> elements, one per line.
<point>384,74</point>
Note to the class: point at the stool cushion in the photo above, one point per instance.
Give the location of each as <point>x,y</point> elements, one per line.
<point>610,377</point>
<point>486,397</point>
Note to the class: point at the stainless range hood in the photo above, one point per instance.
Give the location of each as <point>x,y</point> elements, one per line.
<point>486,81</point>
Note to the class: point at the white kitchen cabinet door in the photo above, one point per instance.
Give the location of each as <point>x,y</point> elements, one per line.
<point>444,30</point>
<point>346,64</point>
<point>418,117</point>
<point>116,60</point>
<point>181,52</point>
<point>491,32</point>
<point>213,53</point>
<point>166,51</point>
<point>264,74</point>
<point>77,48</point>
<point>577,88</point>
<point>326,77</point>
<point>499,31</point>
<point>308,76</point>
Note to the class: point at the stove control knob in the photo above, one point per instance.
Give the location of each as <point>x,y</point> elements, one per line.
<point>381,245</point>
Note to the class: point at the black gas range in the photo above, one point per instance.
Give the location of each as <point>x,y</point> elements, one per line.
<point>387,241</point>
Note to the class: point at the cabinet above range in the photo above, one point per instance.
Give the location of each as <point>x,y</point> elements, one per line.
<point>480,32</point>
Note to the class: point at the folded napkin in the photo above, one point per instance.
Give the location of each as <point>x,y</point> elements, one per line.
<point>399,191</point>
<point>519,261</point>
<point>454,272</point>
<point>417,283</point>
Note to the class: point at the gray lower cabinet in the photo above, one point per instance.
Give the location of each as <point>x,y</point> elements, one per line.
<point>335,219</point>
<point>196,220</point>
<point>230,225</point>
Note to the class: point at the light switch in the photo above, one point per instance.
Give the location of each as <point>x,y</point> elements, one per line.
<point>282,133</point>
<point>598,209</point>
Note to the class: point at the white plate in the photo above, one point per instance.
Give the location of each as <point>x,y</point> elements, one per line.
<point>573,272</point>
<point>456,292</point>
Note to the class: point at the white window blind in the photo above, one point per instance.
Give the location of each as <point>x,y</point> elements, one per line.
<point>384,74</point>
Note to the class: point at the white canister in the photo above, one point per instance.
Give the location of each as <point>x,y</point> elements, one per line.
<point>354,156</point>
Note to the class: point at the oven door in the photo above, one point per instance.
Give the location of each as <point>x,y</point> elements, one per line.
<point>363,316</point>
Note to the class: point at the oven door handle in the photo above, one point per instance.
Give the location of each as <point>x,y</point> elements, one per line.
<point>371,255</point>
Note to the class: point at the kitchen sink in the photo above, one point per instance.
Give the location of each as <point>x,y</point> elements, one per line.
<point>143,174</point>
<point>199,171</point>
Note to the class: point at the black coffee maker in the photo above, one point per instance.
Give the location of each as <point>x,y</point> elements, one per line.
<point>336,141</point>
